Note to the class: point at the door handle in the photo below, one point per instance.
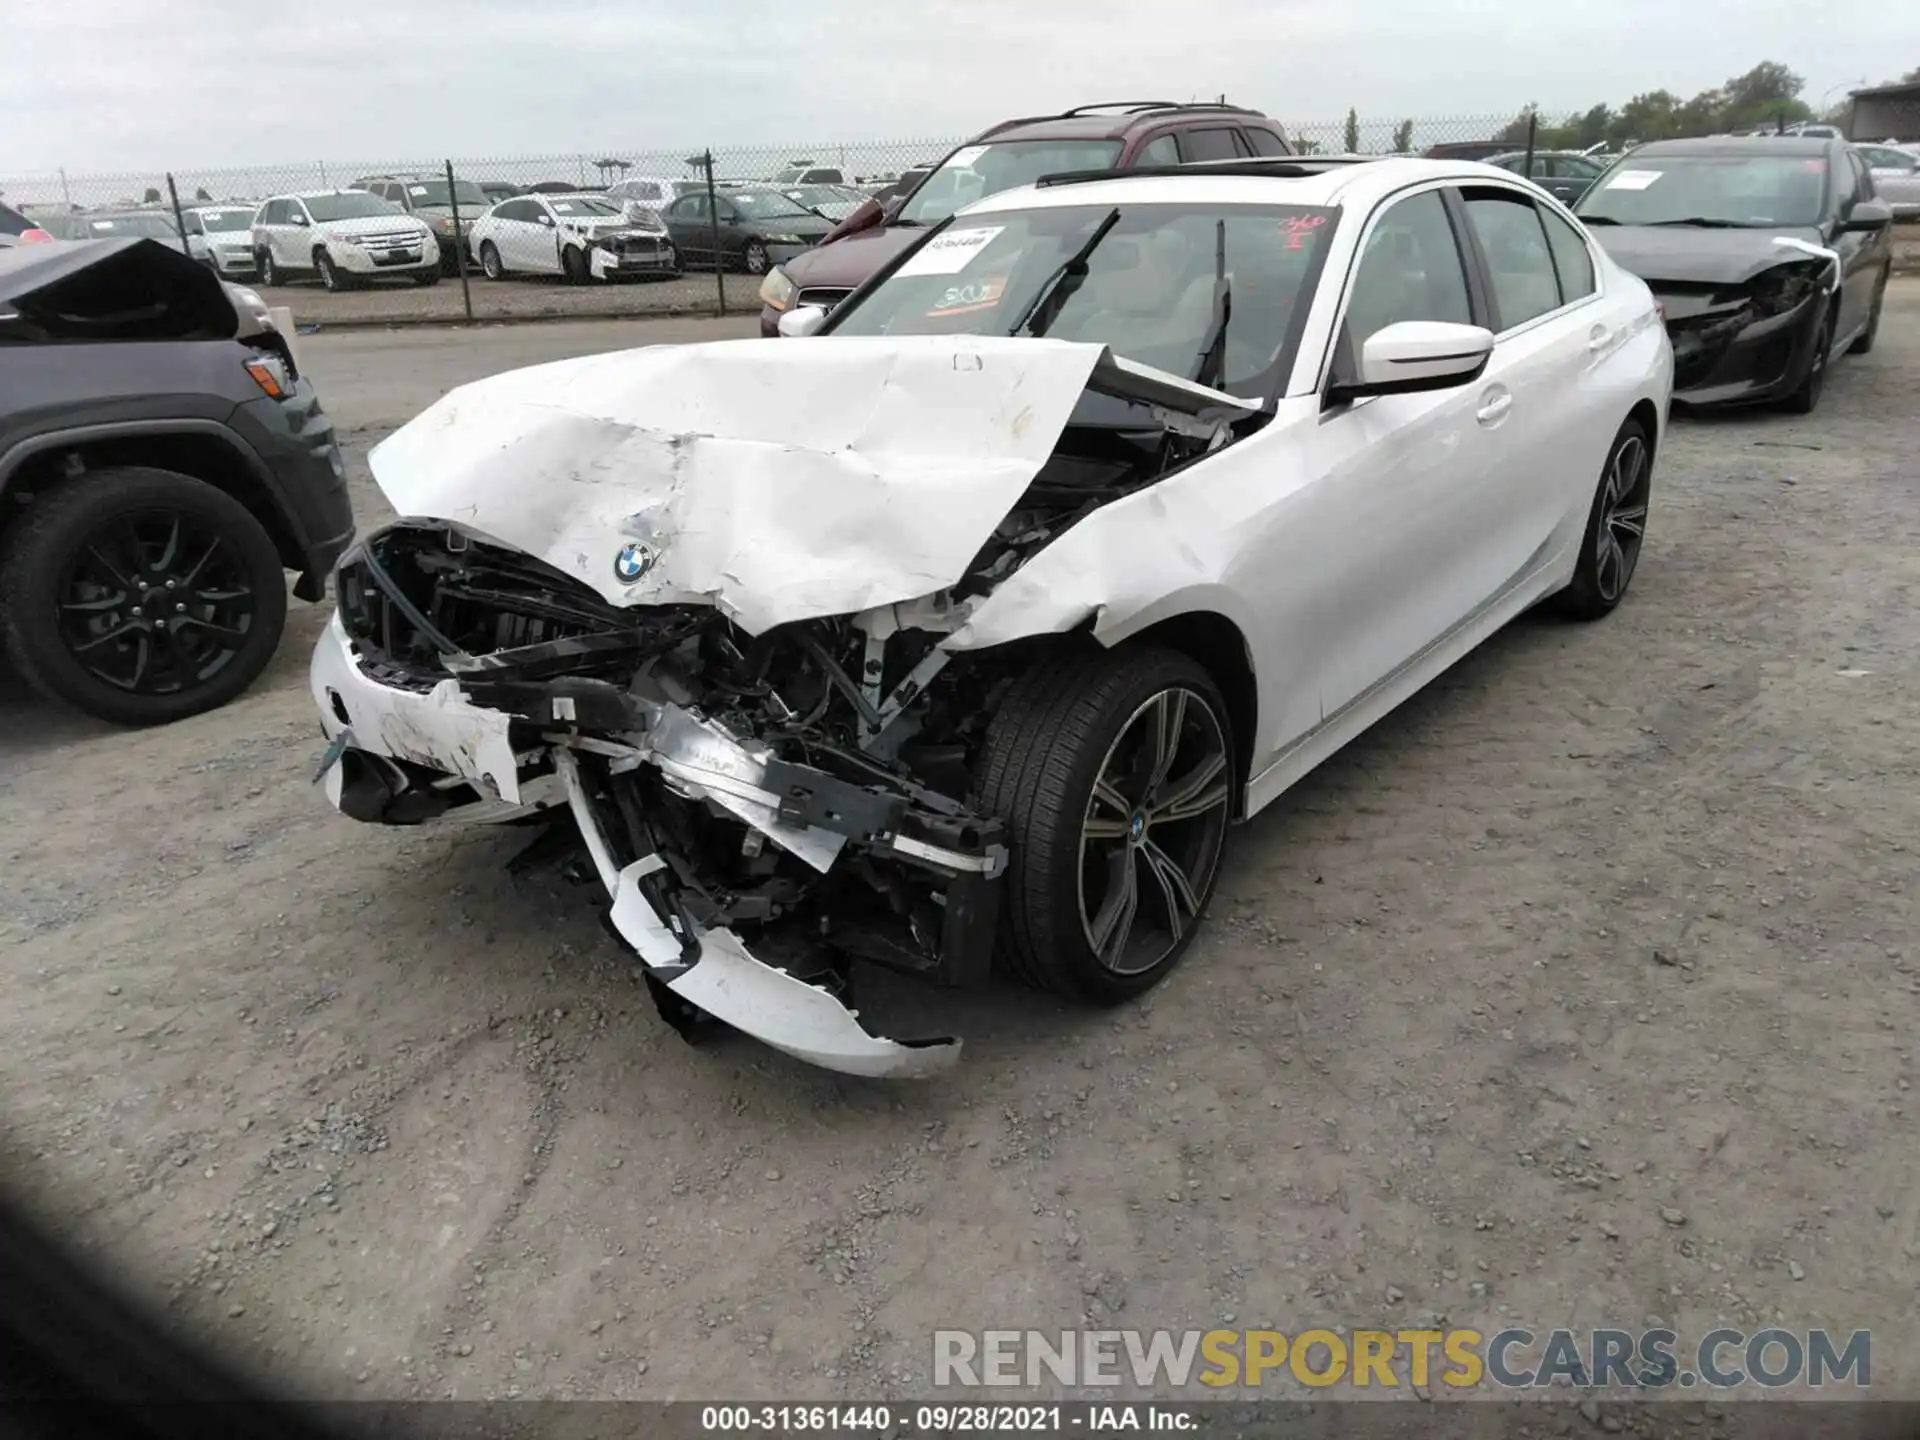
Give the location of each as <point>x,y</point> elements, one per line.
<point>1599,337</point>
<point>1494,406</point>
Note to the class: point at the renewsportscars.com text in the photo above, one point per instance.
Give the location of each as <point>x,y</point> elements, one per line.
<point>1510,1359</point>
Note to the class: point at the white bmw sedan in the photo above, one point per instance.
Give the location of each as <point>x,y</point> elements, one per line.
<point>956,638</point>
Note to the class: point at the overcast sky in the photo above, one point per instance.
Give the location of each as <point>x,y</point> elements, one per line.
<point>125,85</point>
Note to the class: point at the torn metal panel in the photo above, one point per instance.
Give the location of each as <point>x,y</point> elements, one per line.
<point>778,482</point>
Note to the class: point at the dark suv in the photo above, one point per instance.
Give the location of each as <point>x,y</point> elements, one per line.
<point>162,465</point>
<point>1118,135</point>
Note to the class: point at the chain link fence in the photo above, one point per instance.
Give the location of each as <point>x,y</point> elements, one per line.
<point>76,205</point>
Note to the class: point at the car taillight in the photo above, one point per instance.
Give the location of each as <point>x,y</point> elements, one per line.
<point>34,236</point>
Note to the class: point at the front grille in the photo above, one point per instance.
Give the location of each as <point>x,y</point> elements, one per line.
<point>824,296</point>
<point>387,237</point>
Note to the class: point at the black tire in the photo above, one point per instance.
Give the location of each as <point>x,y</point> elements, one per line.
<point>82,528</point>
<point>1805,397</point>
<point>1863,342</point>
<point>430,277</point>
<point>753,259</point>
<point>573,265</point>
<point>269,272</point>
<point>330,274</point>
<point>1616,528</point>
<point>1047,746</point>
<point>490,265</point>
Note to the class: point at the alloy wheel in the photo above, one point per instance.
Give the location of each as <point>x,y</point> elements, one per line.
<point>1154,829</point>
<point>154,602</point>
<point>1623,518</point>
<point>756,258</point>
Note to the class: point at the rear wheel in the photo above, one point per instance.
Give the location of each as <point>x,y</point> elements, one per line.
<point>1863,343</point>
<point>1115,776</point>
<point>490,265</point>
<point>754,258</point>
<point>269,272</point>
<point>140,596</point>
<point>1616,526</point>
<point>1806,396</point>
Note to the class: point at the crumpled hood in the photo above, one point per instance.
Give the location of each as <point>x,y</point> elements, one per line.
<point>1680,254</point>
<point>779,482</point>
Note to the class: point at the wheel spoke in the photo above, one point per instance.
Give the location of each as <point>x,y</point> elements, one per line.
<point>1169,719</point>
<point>96,607</point>
<point>220,597</point>
<point>222,633</point>
<point>1113,926</point>
<point>130,628</point>
<point>113,567</point>
<point>1194,793</point>
<point>1101,827</point>
<point>1631,520</point>
<point>201,564</point>
<point>1175,889</point>
<point>142,654</point>
<point>1108,794</point>
<point>170,551</point>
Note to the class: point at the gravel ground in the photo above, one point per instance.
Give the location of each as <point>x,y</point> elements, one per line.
<point>513,299</point>
<point>1581,991</point>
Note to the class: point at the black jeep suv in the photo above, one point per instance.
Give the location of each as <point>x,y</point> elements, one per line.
<point>162,465</point>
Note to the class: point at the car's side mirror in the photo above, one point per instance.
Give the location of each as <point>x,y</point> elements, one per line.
<point>300,220</point>
<point>1868,215</point>
<point>802,320</point>
<point>546,220</point>
<point>1416,355</point>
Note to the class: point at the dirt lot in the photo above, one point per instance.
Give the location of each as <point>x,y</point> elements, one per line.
<point>1582,991</point>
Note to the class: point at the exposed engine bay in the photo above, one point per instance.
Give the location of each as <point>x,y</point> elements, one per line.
<point>805,791</point>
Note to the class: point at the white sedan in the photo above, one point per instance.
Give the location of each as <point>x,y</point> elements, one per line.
<point>956,638</point>
<point>581,237</point>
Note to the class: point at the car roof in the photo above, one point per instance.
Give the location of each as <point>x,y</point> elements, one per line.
<point>1113,121</point>
<point>1741,145</point>
<point>1303,180</point>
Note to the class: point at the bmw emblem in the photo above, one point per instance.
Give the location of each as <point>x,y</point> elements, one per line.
<point>632,562</point>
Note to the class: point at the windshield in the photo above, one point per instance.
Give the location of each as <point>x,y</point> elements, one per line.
<point>215,221</point>
<point>349,205</point>
<point>765,204</point>
<point>1733,189</point>
<point>586,205</point>
<point>1148,290</point>
<point>974,172</point>
<point>434,193</point>
<point>153,226</point>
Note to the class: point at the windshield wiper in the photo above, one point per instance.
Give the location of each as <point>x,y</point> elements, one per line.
<point>1212,368</point>
<point>1595,219</point>
<point>1704,222</point>
<point>1053,295</point>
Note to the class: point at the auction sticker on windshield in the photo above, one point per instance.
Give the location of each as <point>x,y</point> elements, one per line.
<point>963,159</point>
<point>1633,179</point>
<point>950,253</point>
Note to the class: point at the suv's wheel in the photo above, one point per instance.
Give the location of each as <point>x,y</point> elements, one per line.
<point>1807,394</point>
<point>140,596</point>
<point>1616,527</point>
<point>1115,775</point>
<point>426,278</point>
<point>330,275</point>
<point>490,265</point>
<point>269,272</point>
<point>1863,343</point>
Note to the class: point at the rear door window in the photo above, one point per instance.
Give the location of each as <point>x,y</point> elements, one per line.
<point>1219,143</point>
<point>1571,258</point>
<point>1264,142</point>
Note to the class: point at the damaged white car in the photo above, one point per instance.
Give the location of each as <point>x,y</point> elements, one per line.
<point>956,637</point>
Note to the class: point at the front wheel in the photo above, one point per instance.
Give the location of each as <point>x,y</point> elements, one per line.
<point>1115,775</point>
<point>1806,396</point>
<point>426,278</point>
<point>1863,343</point>
<point>330,275</point>
<point>140,596</point>
<point>1616,526</point>
<point>573,265</point>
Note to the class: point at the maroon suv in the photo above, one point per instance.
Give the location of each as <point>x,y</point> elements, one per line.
<point>1117,136</point>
